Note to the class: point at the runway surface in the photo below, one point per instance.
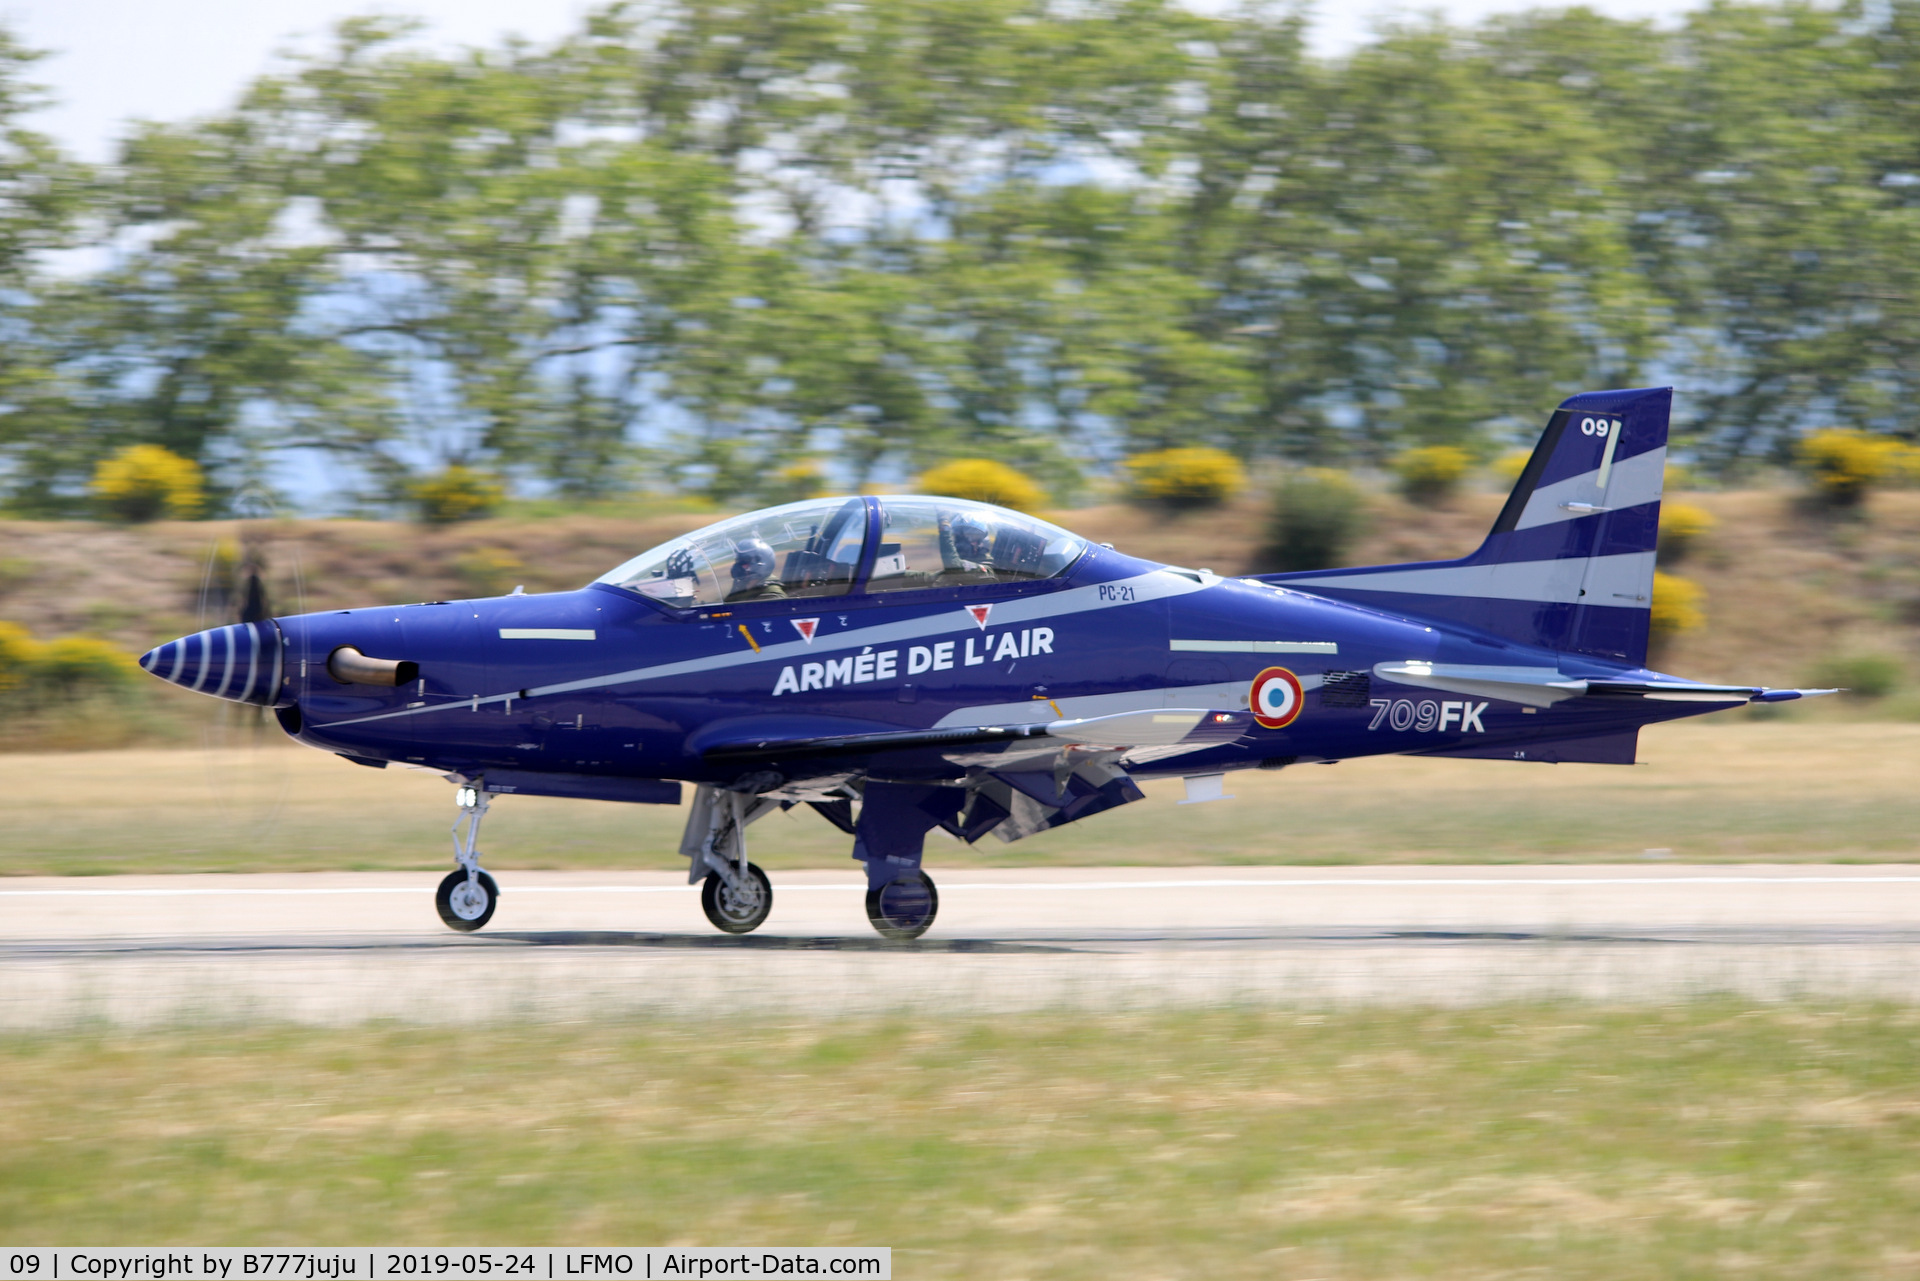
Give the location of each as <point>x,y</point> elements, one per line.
<point>338,948</point>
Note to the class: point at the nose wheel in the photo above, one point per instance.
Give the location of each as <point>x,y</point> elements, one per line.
<point>467,897</point>
<point>738,906</point>
<point>466,904</point>
<point>904,907</point>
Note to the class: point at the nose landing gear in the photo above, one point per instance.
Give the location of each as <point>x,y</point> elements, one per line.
<point>735,894</point>
<point>467,897</point>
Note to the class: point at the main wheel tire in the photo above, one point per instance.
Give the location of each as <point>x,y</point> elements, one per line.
<point>740,911</point>
<point>904,907</point>
<point>466,909</point>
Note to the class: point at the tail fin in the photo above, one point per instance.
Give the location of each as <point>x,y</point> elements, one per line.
<point>1569,563</point>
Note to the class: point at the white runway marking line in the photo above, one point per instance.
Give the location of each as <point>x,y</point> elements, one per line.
<point>1465,881</point>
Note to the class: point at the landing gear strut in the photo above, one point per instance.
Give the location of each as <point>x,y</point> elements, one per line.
<point>734,893</point>
<point>467,897</point>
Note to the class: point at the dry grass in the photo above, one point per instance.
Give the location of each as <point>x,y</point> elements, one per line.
<point>1567,1141</point>
<point>1784,589</point>
<point>142,586</point>
<point>1724,790</point>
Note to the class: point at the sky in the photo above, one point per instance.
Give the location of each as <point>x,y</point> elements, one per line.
<point>116,60</point>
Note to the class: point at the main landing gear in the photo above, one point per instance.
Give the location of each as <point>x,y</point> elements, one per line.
<point>467,897</point>
<point>735,894</point>
<point>904,907</point>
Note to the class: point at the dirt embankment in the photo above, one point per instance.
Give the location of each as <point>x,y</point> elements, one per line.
<point>1783,589</point>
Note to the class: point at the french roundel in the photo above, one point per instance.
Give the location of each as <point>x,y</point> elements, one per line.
<point>1275,698</point>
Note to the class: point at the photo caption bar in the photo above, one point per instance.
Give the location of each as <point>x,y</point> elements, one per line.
<point>410,1263</point>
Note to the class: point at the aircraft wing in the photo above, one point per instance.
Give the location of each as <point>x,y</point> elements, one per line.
<point>1171,727</point>
<point>1021,779</point>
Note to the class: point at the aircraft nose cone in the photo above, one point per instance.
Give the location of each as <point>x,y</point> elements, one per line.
<point>241,663</point>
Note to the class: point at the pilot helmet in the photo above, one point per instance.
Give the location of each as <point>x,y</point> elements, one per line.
<point>972,537</point>
<point>752,563</point>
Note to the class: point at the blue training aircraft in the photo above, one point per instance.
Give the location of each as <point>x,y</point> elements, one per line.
<point>909,662</point>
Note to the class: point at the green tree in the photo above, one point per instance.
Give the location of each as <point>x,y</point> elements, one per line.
<point>698,241</point>
<point>42,194</point>
<point>1423,242</point>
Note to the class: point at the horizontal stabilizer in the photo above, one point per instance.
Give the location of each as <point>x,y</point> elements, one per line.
<point>1676,691</point>
<point>1788,695</point>
<point>1545,686</point>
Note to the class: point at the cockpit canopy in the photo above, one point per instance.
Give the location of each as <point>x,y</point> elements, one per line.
<point>819,547</point>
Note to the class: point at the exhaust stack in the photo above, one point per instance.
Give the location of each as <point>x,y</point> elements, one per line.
<point>350,667</point>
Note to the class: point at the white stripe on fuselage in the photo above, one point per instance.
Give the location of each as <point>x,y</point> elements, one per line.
<point>1219,696</point>
<point>1609,580</point>
<point>1160,584</point>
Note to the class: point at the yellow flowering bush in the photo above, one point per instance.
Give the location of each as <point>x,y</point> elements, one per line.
<point>1677,606</point>
<point>1185,479</point>
<point>458,493</point>
<point>17,651</point>
<point>1844,464</point>
<point>984,481</point>
<point>1682,526</point>
<point>72,666</point>
<point>1903,466</point>
<point>1431,473</point>
<point>145,482</point>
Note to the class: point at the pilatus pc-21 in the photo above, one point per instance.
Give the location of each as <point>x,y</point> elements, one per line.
<point>905,663</point>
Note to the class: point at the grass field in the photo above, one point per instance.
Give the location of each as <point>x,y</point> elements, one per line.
<point>1731,790</point>
<point>1710,1139</point>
